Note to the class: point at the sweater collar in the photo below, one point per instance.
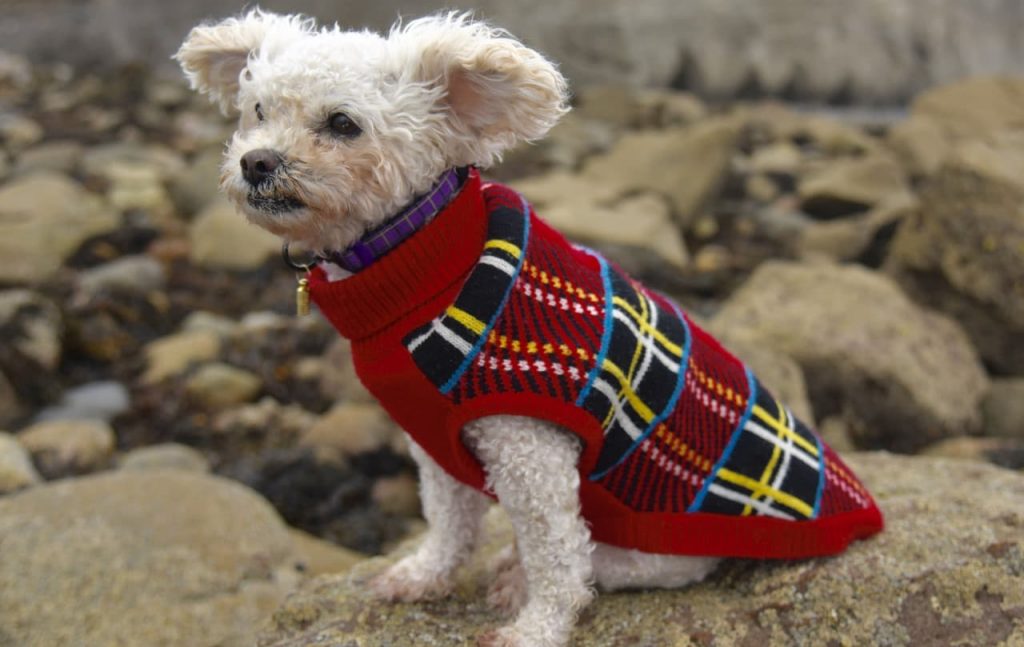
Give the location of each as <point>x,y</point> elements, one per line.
<point>376,243</point>
<point>428,262</point>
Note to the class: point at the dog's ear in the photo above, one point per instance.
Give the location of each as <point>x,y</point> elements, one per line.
<point>213,56</point>
<point>497,91</point>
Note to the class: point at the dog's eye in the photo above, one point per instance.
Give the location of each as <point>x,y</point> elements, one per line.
<point>259,112</point>
<point>341,125</point>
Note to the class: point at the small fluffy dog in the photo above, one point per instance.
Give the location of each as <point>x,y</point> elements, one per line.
<point>628,448</point>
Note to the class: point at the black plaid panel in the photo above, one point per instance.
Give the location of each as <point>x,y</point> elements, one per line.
<point>773,468</point>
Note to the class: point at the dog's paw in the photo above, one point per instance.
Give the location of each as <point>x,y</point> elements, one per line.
<point>410,581</point>
<point>503,637</point>
<point>508,592</point>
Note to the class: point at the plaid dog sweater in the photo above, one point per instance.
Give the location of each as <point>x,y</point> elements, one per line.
<point>487,310</point>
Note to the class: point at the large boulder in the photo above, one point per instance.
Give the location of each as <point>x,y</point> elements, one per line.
<point>685,165</point>
<point>948,569</point>
<point>900,375</point>
<point>140,558</point>
<point>963,251</point>
<point>44,217</point>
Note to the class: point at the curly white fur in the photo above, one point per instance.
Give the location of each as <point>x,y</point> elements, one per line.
<point>438,92</point>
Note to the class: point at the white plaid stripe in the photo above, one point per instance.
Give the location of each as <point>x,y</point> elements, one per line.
<point>755,428</point>
<point>498,263</point>
<point>761,506</point>
<point>618,408</point>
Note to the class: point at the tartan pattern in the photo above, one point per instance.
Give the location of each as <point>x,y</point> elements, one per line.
<point>686,427</point>
<point>375,244</point>
<point>639,372</point>
<point>773,465</point>
<point>445,347</point>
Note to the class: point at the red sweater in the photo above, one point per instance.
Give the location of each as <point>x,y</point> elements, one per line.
<point>487,310</point>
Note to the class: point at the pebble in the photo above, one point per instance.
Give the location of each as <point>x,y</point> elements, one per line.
<point>68,447</point>
<point>218,385</point>
<point>94,401</point>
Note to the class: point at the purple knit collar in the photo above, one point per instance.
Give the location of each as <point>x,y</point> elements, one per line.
<point>376,243</point>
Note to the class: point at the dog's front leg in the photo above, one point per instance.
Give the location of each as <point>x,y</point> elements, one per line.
<point>531,467</point>
<point>453,512</point>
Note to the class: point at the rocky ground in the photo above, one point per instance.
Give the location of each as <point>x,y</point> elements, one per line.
<point>179,452</point>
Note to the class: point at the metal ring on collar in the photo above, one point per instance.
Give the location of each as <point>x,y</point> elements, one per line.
<point>299,267</point>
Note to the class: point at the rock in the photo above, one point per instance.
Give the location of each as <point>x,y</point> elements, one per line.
<point>140,274</point>
<point>141,558</point>
<point>218,385</point>
<point>318,557</point>
<point>1003,408</point>
<point>351,428</point>
<point>686,165</point>
<point>61,156</point>
<point>848,239</point>
<point>836,434</point>
<point>847,186</point>
<point>921,144</point>
<point>780,158</point>
<point>10,405</point>
<point>18,131</point>
<point>135,186</point>
<point>93,401</point>
<point>196,187</point>
<point>1005,452</point>
<point>44,217</point>
<point>398,495</point>
<point>962,575</point>
<point>773,123</point>
<point>32,328</point>
<point>962,252</point>
<point>760,188</point>
<point>222,238</point>
<point>339,380</point>
<point>107,161</point>
<point>165,456</point>
<point>975,107</point>
<point>572,140</point>
<point>650,228</point>
<point>16,469</point>
<point>287,421</point>
<point>902,377</point>
<point>778,372</point>
<point>68,447</point>
<point>172,355</point>
<point>202,320</point>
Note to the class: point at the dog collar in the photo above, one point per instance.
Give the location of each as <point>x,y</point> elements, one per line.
<point>376,243</point>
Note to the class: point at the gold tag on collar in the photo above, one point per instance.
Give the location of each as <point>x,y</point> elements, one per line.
<point>302,297</point>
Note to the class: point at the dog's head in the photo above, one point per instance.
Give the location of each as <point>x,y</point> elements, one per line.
<point>339,129</point>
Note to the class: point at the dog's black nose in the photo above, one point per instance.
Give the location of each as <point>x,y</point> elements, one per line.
<point>259,164</point>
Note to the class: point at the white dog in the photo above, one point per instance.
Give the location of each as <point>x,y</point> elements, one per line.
<point>339,131</point>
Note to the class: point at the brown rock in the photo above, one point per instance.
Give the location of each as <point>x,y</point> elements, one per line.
<point>902,377</point>
<point>319,557</point>
<point>140,558</point>
<point>850,185</point>
<point>68,447</point>
<point>16,469</point>
<point>217,385</point>
<point>351,428</point>
<point>172,355</point>
<point>1003,408</point>
<point>398,495</point>
<point>949,568</point>
<point>221,237</point>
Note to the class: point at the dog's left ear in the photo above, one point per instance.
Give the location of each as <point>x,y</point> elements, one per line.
<point>497,91</point>
<point>213,56</point>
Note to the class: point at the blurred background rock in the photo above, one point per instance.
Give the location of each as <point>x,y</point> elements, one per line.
<point>834,189</point>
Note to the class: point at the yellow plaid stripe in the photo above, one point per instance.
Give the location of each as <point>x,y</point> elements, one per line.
<point>466,319</point>
<point>784,431</point>
<point>626,390</point>
<point>646,327</point>
<point>504,246</point>
<point>760,489</point>
<point>770,467</point>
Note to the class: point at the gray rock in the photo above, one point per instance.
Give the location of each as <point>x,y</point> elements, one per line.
<point>140,558</point>
<point>921,581</point>
<point>44,217</point>
<point>218,385</point>
<point>961,252</point>
<point>221,237</point>
<point>62,156</point>
<point>68,447</point>
<point>139,274</point>
<point>93,401</point>
<point>165,456</point>
<point>1003,408</point>
<point>901,376</point>
<point>16,469</point>
<point>196,187</point>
